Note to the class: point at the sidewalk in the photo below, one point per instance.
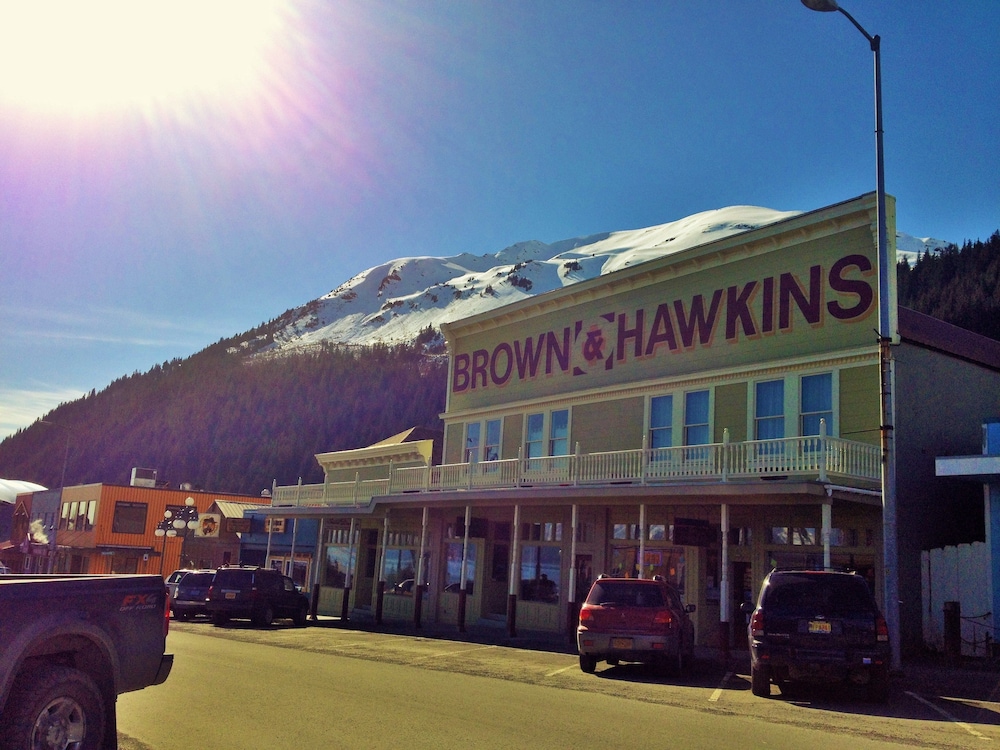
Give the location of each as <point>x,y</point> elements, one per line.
<point>926,674</point>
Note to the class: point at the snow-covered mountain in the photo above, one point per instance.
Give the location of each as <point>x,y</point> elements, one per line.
<point>393,302</point>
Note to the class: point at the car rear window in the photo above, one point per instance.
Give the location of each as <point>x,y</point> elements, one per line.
<point>811,594</point>
<point>234,578</point>
<point>197,579</point>
<point>624,594</point>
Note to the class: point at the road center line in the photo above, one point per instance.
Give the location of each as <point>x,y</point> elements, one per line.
<point>949,717</point>
<point>717,693</point>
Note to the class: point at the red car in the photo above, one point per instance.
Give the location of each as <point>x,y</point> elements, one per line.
<point>635,620</point>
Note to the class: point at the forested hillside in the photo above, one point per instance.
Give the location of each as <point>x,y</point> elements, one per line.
<point>230,422</point>
<point>226,423</point>
<point>957,285</point>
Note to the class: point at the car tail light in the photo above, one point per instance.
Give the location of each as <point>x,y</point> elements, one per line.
<point>664,617</point>
<point>586,614</point>
<point>757,624</point>
<point>881,630</point>
<point>211,590</point>
<point>166,615</point>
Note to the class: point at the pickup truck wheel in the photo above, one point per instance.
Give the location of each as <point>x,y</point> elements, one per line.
<point>54,708</point>
<point>588,663</point>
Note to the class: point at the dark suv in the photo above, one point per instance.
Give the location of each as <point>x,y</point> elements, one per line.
<point>635,619</point>
<point>258,594</point>
<point>192,593</point>
<point>818,626</point>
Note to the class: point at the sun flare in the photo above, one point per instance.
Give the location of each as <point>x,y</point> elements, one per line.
<point>88,57</point>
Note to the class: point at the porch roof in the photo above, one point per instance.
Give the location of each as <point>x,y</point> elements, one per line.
<point>731,493</point>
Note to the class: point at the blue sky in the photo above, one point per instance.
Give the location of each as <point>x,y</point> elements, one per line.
<point>158,192</point>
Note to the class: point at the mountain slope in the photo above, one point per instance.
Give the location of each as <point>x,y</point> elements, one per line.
<point>394,301</point>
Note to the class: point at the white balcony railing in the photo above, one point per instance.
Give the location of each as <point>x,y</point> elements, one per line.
<point>812,457</point>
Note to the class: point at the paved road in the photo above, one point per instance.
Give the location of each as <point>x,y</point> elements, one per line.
<point>285,687</point>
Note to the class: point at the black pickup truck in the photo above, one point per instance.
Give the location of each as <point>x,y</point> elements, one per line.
<point>69,645</point>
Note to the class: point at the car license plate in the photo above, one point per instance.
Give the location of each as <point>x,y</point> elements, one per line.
<point>819,626</point>
<point>624,643</point>
<point>230,594</point>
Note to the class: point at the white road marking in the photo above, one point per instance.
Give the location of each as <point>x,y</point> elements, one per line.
<point>717,693</point>
<point>453,653</point>
<point>560,671</point>
<point>949,717</point>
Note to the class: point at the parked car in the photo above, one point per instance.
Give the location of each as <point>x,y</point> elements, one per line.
<point>192,594</point>
<point>635,620</point>
<point>174,578</point>
<point>255,593</point>
<point>818,626</point>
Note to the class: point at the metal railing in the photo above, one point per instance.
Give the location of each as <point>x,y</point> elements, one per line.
<point>811,457</point>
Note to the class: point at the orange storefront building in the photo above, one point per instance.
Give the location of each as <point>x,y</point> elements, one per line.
<point>106,528</point>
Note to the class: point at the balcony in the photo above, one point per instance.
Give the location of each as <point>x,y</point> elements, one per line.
<point>813,457</point>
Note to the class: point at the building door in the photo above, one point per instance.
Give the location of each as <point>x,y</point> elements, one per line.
<point>451,585</point>
<point>584,576</point>
<point>742,592</point>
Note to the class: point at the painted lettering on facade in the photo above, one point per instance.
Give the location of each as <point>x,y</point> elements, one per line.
<point>747,311</point>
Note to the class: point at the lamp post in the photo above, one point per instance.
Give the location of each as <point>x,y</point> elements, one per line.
<point>164,529</point>
<point>890,550</point>
<point>182,520</point>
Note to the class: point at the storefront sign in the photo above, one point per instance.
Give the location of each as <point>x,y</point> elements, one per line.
<point>752,310</point>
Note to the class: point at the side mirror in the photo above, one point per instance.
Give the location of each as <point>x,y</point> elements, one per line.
<point>689,608</point>
<point>747,608</point>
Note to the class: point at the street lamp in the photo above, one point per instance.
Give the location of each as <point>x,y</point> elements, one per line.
<point>182,520</point>
<point>164,529</point>
<point>890,550</point>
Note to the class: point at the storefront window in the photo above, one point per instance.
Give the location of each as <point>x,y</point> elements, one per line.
<point>540,573</point>
<point>453,568</point>
<point>400,567</point>
<point>668,562</point>
<point>339,559</point>
<point>625,531</point>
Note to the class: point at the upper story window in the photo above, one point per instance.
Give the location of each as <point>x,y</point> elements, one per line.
<point>816,403</point>
<point>559,433</point>
<point>769,410</point>
<point>547,437</point>
<point>491,449</point>
<point>129,518</point>
<point>696,426</point>
<point>472,433</point>
<point>535,436</point>
<point>661,421</point>
<point>482,441</point>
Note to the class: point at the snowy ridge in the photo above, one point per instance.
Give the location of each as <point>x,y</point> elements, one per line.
<point>394,301</point>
